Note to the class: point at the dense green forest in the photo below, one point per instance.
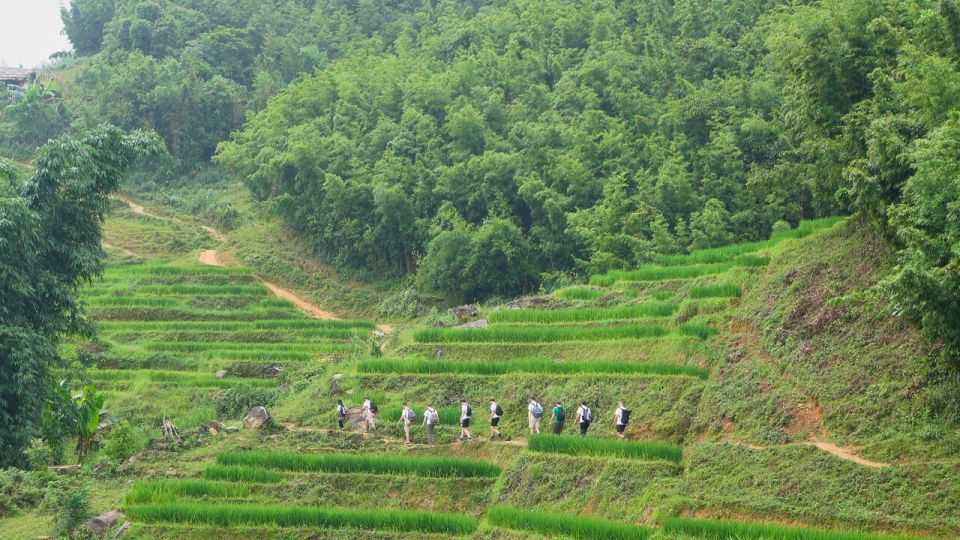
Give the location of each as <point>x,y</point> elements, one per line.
<point>487,148</point>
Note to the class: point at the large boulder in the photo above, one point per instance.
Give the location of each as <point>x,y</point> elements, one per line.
<point>101,523</point>
<point>256,418</point>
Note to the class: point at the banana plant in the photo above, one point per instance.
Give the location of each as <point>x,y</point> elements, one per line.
<point>89,407</point>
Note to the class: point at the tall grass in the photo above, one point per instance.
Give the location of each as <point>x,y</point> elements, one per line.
<point>172,270</point>
<point>436,467</point>
<point>712,528</point>
<point>506,334</point>
<point>231,515</point>
<point>154,491</point>
<point>220,326</point>
<point>662,294</point>
<point>178,290</point>
<point>581,314</point>
<point>578,293</point>
<point>239,473</point>
<point>203,346</point>
<point>121,301</point>
<point>580,446</point>
<point>182,378</point>
<point>656,272</point>
<point>701,331</point>
<point>148,314</point>
<point>503,367</point>
<point>550,525</point>
<point>720,290</point>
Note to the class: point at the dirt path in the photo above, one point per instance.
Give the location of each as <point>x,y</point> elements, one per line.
<point>214,233</point>
<point>210,257</point>
<point>309,308</point>
<point>136,208</point>
<point>843,453</point>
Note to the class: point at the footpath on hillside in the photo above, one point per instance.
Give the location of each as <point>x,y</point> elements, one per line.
<point>211,257</point>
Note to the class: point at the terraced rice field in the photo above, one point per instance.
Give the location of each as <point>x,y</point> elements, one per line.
<point>167,328</point>
<point>634,335</point>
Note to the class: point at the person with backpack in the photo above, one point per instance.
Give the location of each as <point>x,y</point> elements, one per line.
<point>370,411</point>
<point>584,417</point>
<point>495,413</point>
<point>341,413</point>
<point>466,415</point>
<point>407,417</point>
<point>534,415</point>
<point>431,419</point>
<point>622,418</point>
<point>559,418</point>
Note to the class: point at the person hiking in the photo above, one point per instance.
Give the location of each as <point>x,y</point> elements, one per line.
<point>341,413</point>
<point>466,415</point>
<point>369,412</point>
<point>559,418</point>
<point>534,415</point>
<point>495,413</point>
<point>622,418</point>
<point>431,419</point>
<point>407,417</point>
<point>584,417</point>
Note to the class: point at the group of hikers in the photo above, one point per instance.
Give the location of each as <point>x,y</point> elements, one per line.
<point>535,413</point>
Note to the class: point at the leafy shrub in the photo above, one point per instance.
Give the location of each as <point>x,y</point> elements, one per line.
<point>72,509</point>
<point>123,443</point>
<point>237,402</point>
<point>21,489</point>
<point>406,304</point>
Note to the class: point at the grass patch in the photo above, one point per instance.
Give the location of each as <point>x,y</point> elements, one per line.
<point>231,515</point>
<point>526,335</point>
<point>656,272</point>
<point>720,290</point>
<point>228,326</point>
<point>581,314</point>
<point>180,290</point>
<point>434,467</point>
<point>239,473</point>
<point>180,378</point>
<point>154,491</point>
<point>662,294</point>
<point>582,446</point>
<point>713,528</point>
<point>578,293</point>
<point>503,367</point>
<point>551,525</point>
<point>701,331</point>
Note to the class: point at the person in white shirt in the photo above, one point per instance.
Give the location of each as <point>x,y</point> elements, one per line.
<point>466,414</point>
<point>621,417</point>
<point>431,419</point>
<point>369,415</point>
<point>495,412</point>
<point>534,415</point>
<point>406,417</point>
<point>584,417</point>
<point>341,413</point>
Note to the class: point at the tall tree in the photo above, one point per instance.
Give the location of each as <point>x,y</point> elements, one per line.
<point>50,231</point>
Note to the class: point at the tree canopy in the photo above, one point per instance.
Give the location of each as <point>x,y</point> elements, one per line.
<point>49,245</point>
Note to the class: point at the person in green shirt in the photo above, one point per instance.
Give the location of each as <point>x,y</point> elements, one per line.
<point>558,417</point>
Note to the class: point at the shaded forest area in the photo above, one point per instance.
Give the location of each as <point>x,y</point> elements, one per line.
<point>488,148</point>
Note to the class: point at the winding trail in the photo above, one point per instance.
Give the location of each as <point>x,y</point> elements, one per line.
<point>211,257</point>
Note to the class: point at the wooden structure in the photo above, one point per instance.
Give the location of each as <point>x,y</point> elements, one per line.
<point>16,76</point>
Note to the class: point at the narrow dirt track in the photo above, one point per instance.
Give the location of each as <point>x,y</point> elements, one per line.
<point>843,453</point>
<point>210,258</point>
<point>136,208</point>
<point>309,308</point>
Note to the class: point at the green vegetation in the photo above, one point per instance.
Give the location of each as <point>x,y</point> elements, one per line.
<point>506,334</point>
<point>503,367</point>
<point>155,491</point>
<point>711,528</point>
<point>660,273</point>
<point>579,293</point>
<point>238,473</point>
<point>178,378</point>
<point>552,524</point>
<point>604,447</point>
<point>720,290</point>
<point>232,515</point>
<point>697,330</point>
<point>369,464</point>
<point>580,314</point>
